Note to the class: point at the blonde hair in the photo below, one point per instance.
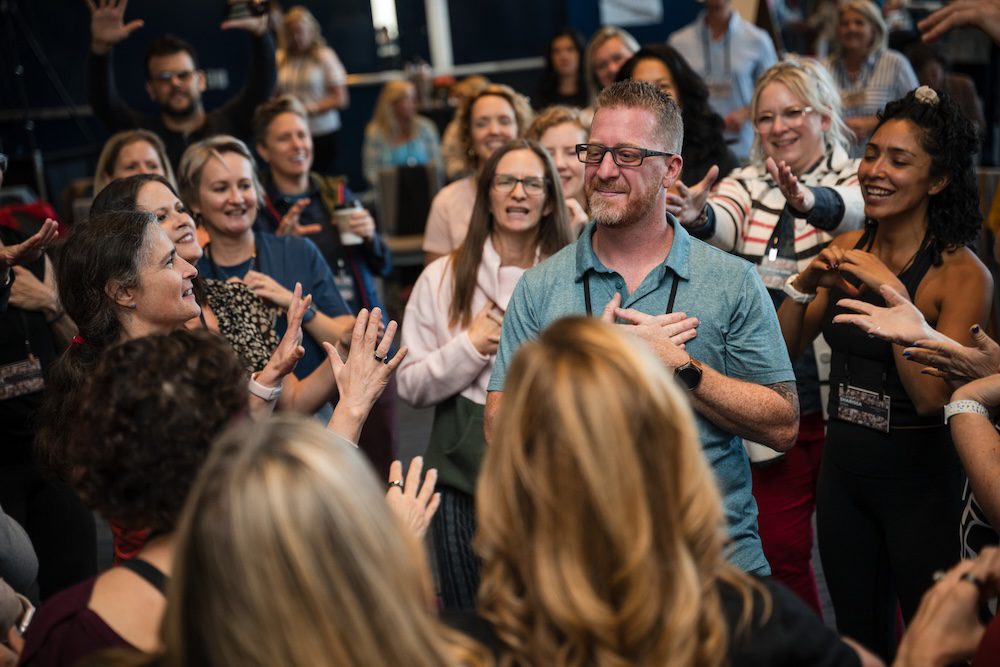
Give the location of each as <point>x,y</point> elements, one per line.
<point>384,119</point>
<point>113,147</point>
<point>600,524</point>
<point>300,13</point>
<point>550,117</point>
<point>606,33</point>
<point>197,155</point>
<point>287,554</point>
<point>518,102</point>
<point>811,82</point>
<point>871,13</point>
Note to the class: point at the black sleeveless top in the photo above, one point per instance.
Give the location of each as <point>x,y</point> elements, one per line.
<point>866,362</point>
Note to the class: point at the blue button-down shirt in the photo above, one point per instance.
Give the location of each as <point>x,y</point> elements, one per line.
<point>738,336</point>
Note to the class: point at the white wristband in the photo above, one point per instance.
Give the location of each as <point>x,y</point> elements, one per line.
<point>266,393</point>
<point>964,406</point>
<point>794,294</point>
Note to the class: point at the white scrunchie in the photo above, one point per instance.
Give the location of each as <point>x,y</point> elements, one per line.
<point>927,95</point>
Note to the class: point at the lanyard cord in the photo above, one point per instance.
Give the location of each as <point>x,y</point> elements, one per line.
<point>590,310</point>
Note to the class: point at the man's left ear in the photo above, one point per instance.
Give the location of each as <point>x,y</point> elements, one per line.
<point>939,185</point>
<point>674,165</point>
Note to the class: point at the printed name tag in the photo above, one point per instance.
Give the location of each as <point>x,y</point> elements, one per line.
<point>774,272</point>
<point>722,88</point>
<point>862,407</point>
<point>20,378</point>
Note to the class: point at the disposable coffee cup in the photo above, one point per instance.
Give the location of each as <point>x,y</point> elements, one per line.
<point>342,218</point>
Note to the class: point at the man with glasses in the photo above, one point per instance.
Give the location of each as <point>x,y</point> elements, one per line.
<point>174,81</point>
<point>704,313</point>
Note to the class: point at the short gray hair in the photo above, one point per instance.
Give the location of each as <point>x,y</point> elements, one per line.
<point>644,95</point>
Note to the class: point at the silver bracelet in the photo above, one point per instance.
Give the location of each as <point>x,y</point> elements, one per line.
<point>260,391</point>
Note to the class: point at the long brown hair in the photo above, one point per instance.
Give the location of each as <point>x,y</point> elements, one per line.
<point>600,524</point>
<point>553,229</point>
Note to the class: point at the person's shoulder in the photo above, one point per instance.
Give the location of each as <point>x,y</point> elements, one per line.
<point>683,35</point>
<point>62,625</point>
<point>557,267</point>
<point>707,256</point>
<point>963,267</point>
<point>894,60</point>
<point>847,240</point>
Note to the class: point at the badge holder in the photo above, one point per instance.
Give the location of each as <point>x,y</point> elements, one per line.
<point>864,407</point>
<point>21,377</point>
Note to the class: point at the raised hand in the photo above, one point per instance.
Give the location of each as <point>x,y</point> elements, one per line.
<point>899,322</point>
<point>413,502</point>
<point>290,226</point>
<point>798,196</point>
<point>107,24</point>
<point>31,249</point>
<point>289,350</point>
<point>484,330</point>
<point>255,25</point>
<point>952,361</point>
<point>689,202</point>
<point>362,378</point>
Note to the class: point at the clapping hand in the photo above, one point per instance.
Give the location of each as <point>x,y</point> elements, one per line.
<point>267,288</point>
<point>362,378</point>
<point>413,502</point>
<point>31,249</point>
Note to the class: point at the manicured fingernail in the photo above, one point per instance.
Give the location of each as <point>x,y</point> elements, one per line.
<point>905,353</point>
<point>975,328</point>
<point>915,345</point>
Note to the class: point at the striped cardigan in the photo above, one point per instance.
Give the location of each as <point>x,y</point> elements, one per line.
<point>748,203</point>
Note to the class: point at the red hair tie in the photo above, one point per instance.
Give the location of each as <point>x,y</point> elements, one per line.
<point>78,340</point>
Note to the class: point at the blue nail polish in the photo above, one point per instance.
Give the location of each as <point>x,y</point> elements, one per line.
<point>905,353</point>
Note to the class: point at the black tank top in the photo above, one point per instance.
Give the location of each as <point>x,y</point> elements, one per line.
<point>867,362</point>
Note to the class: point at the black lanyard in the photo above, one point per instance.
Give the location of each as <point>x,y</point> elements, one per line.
<point>706,38</point>
<point>590,310</point>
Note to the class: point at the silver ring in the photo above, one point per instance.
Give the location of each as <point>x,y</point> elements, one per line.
<point>396,482</point>
<point>974,580</point>
<point>378,358</point>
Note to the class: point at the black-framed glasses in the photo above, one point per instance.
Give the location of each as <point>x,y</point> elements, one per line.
<point>624,156</point>
<point>533,185</point>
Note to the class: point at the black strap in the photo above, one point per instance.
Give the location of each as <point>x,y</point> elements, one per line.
<point>590,310</point>
<point>147,571</point>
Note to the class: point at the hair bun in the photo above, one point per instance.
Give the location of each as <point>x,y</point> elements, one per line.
<point>926,95</point>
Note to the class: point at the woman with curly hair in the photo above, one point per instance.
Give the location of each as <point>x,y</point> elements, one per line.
<point>704,143</point>
<point>143,426</point>
<point>487,120</point>
<point>601,526</point>
<point>889,498</point>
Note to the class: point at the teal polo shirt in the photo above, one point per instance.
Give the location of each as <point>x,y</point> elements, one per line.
<point>738,336</point>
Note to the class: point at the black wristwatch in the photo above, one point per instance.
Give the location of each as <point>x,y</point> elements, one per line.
<point>689,375</point>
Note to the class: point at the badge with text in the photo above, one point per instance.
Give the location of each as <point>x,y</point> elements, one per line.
<point>863,407</point>
<point>774,271</point>
<point>21,378</point>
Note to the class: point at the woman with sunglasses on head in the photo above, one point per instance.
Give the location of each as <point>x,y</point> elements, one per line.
<point>452,328</point>
<point>799,140</point>
<point>889,502</point>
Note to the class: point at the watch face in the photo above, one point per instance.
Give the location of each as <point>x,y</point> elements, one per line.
<point>689,375</point>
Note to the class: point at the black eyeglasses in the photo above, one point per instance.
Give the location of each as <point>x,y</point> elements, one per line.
<point>624,156</point>
<point>505,183</point>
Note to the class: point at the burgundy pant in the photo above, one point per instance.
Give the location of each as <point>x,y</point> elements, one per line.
<point>786,497</point>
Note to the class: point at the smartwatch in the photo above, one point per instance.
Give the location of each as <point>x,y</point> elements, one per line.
<point>689,374</point>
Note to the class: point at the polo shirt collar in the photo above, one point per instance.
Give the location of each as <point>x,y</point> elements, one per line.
<point>678,260</point>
